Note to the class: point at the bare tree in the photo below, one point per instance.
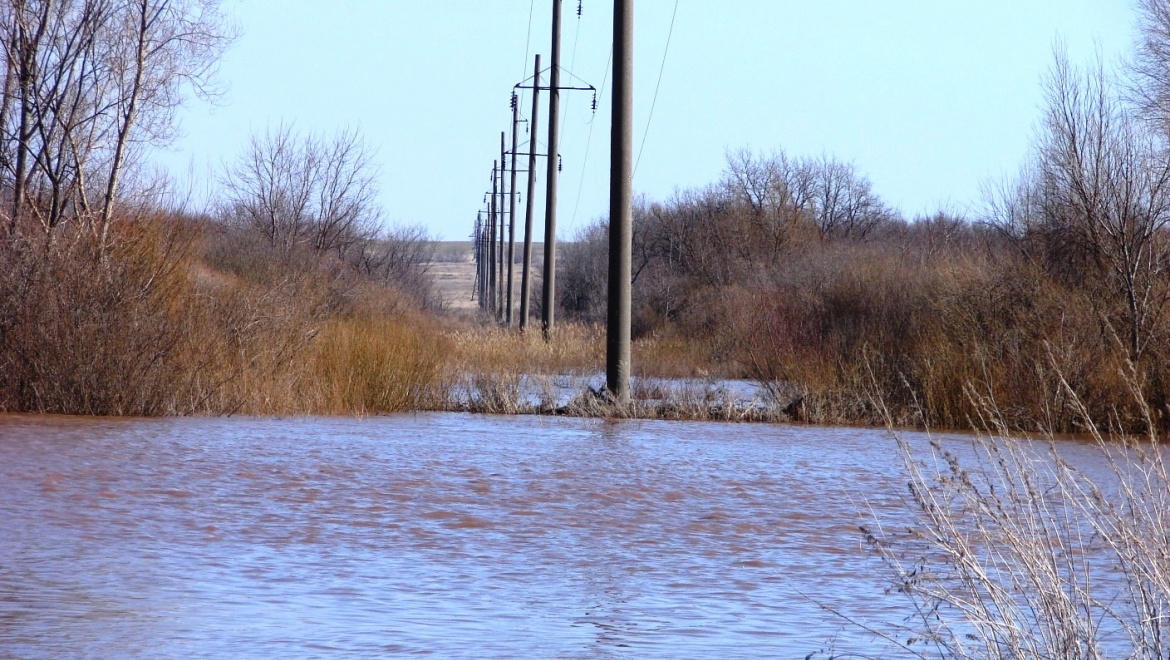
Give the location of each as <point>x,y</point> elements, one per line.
<point>159,48</point>
<point>1149,83</point>
<point>305,192</point>
<point>845,204</point>
<point>781,193</point>
<point>582,281</point>
<point>778,193</point>
<point>21,47</point>
<point>1095,209</point>
<point>400,256</point>
<point>86,83</point>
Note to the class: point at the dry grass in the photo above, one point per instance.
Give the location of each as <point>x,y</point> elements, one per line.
<point>669,354</point>
<point>574,349</point>
<point>579,349</point>
<point>127,333</point>
<point>496,370</point>
<point>1020,554</point>
<point>369,365</point>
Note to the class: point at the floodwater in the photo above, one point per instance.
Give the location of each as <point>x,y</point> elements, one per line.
<point>449,534</point>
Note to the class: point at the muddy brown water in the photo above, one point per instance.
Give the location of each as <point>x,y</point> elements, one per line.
<point>450,534</point>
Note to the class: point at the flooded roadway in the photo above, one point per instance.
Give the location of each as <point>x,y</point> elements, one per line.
<point>458,535</point>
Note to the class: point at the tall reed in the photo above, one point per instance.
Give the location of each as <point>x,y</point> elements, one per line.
<point>371,365</point>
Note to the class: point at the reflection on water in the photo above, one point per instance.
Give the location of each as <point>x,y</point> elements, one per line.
<point>456,534</point>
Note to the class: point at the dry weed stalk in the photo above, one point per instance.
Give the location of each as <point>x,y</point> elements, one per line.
<point>1021,554</point>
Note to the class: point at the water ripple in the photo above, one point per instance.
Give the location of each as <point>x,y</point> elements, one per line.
<point>435,533</point>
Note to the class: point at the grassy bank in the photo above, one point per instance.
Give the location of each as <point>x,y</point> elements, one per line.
<point>182,316</point>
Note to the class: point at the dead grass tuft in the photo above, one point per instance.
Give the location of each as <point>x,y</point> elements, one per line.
<point>1019,553</point>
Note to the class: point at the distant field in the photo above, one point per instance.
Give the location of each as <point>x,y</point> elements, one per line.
<point>462,250</point>
<point>452,251</point>
<point>453,270</point>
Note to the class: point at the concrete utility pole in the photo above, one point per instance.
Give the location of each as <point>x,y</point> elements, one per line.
<point>548,308</point>
<point>477,236</point>
<point>621,216</point>
<point>504,302</point>
<point>526,276</point>
<point>512,209</point>
<point>492,215</point>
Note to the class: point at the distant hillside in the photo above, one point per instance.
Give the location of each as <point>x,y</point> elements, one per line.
<point>453,271</point>
<point>454,251</point>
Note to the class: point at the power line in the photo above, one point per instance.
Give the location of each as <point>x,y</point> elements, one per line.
<point>527,45</point>
<point>572,65</point>
<point>528,41</point>
<point>589,141</point>
<point>656,86</point>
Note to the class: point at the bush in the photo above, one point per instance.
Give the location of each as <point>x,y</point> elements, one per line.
<point>100,332</point>
<point>178,316</point>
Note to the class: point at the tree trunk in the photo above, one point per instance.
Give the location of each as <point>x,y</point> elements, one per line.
<point>128,118</point>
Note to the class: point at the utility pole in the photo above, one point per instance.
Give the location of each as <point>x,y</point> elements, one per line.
<point>482,254</point>
<point>503,166</point>
<point>512,208</point>
<point>548,307</point>
<point>621,216</point>
<point>493,218</point>
<point>526,276</point>
<point>477,245</point>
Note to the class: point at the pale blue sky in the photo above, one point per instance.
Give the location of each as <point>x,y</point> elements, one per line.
<point>929,98</point>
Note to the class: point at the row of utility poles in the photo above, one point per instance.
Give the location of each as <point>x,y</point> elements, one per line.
<point>495,265</point>
<point>495,225</point>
